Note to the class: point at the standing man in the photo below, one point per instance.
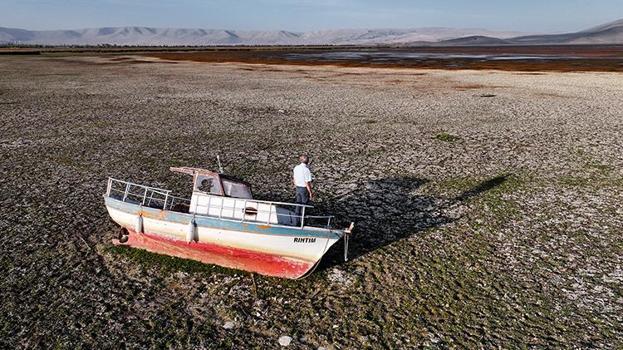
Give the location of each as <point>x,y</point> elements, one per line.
<point>302,179</point>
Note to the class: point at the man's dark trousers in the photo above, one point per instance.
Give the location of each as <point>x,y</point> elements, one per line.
<point>302,197</point>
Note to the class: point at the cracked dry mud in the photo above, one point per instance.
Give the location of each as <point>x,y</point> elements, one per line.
<point>488,204</point>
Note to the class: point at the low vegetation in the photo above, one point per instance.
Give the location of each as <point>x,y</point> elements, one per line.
<point>444,136</point>
<point>509,238</point>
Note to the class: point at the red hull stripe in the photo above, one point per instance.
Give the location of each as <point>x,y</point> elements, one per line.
<point>241,259</point>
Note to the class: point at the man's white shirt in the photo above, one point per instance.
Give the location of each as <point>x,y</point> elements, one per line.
<point>302,175</point>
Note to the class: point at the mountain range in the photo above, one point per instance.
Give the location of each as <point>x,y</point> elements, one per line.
<point>611,33</point>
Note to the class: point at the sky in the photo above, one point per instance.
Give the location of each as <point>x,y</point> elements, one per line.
<point>542,16</point>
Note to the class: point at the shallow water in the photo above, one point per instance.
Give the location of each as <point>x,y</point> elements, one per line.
<point>392,56</point>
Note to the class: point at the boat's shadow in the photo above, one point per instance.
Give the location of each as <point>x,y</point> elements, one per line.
<point>391,209</point>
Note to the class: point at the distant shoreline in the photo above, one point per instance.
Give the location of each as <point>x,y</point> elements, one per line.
<point>559,58</point>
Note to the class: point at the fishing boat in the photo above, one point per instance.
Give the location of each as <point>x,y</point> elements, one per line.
<point>222,224</point>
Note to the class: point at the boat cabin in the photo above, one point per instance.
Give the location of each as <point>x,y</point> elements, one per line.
<point>210,182</point>
<point>222,196</point>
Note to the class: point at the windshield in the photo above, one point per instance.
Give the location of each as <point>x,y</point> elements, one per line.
<point>208,184</point>
<point>236,189</point>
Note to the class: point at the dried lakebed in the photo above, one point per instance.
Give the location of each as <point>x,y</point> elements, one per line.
<point>488,204</point>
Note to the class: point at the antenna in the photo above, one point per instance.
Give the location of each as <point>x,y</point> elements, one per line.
<point>220,167</point>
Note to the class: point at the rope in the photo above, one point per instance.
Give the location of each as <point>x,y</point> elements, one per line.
<point>346,236</point>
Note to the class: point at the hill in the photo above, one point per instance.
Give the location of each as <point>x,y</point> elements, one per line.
<point>610,33</point>
<point>148,36</point>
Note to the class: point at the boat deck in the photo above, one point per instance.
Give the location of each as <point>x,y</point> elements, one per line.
<point>249,210</point>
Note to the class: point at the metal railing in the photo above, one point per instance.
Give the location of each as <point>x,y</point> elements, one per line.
<point>259,211</point>
<point>249,211</point>
<point>148,196</point>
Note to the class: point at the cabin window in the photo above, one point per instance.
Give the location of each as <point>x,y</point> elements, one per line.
<point>208,184</point>
<point>236,189</point>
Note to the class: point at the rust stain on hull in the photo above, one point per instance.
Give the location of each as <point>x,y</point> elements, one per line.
<point>236,258</point>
